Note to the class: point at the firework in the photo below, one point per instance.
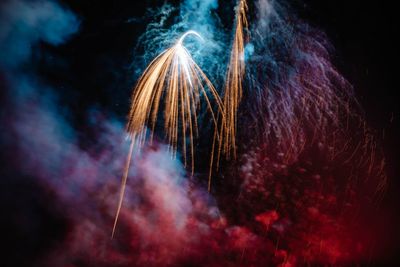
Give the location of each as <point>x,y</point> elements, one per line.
<point>176,78</point>
<point>233,92</point>
<point>233,85</point>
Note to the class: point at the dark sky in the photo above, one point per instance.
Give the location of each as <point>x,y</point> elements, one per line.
<point>363,33</point>
<point>99,57</point>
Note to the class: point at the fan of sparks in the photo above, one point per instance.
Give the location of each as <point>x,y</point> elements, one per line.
<point>174,78</point>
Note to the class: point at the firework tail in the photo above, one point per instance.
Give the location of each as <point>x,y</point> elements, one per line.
<point>123,185</point>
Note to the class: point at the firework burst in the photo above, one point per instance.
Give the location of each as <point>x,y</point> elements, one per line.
<point>175,77</point>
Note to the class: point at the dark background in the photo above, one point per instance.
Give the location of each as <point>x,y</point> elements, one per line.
<point>98,67</point>
<point>95,67</point>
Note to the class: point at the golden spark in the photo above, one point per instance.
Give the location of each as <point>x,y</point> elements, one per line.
<point>233,91</point>
<point>233,85</point>
<point>175,77</point>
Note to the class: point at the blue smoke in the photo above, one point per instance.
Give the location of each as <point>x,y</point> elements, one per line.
<point>26,23</point>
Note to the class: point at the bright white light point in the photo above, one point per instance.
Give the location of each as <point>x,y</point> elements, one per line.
<point>183,54</point>
<point>183,61</point>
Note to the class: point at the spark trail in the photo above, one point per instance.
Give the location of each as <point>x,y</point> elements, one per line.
<point>233,84</point>
<point>233,91</point>
<point>175,77</point>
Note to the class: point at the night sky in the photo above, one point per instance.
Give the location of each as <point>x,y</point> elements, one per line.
<point>89,77</point>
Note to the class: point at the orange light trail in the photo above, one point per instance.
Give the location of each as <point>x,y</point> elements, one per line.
<point>233,92</point>
<point>233,85</point>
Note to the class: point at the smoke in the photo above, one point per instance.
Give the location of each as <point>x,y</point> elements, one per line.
<point>160,216</point>
<point>26,23</point>
<point>46,147</point>
<point>305,150</point>
<point>30,103</point>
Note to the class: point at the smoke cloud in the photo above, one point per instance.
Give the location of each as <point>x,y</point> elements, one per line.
<point>25,23</point>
